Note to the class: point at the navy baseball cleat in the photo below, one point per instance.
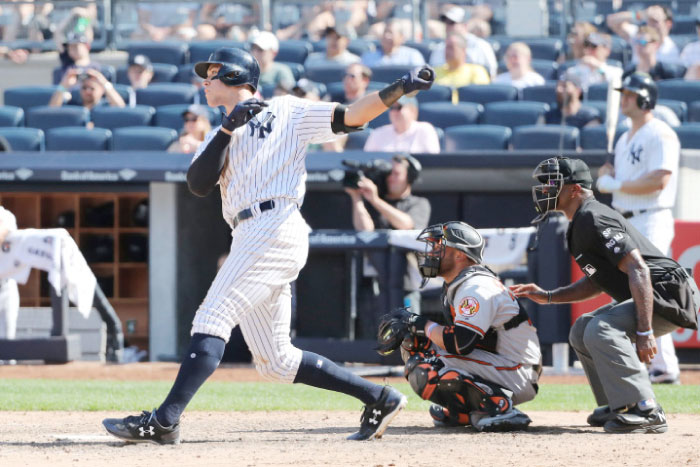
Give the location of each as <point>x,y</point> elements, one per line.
<point>376,417</point>
<point>142,428</point>
<point>638,421</point>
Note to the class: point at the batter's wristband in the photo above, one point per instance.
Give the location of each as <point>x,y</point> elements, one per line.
<point>650,332</point>
<point>391,93</point>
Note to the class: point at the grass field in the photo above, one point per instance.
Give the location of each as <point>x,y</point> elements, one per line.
<point>127,396</point>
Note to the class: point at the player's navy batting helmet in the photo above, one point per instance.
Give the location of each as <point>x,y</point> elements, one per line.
<point>644,87</point>
<point>455,234</point>
<point>238,67</point>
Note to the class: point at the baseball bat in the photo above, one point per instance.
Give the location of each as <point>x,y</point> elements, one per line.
<point>425,74</point>
<point>612,112</point>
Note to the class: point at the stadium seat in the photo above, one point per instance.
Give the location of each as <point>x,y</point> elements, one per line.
<point>424,48</point>
<point>513,114</point>
<point>162,73</point>
<point>389,73</point>
<point>294,51</point>
<point>172,52</point>
<point>597,92</point>
<point>680,108</point>
<point>166,93</point>
<point>143,138</point>
<point>200,50</point>
<point>681,40</point>
<point>170,116</point>
<point>23,139</point>
<point>360,46</point>
<point>679,89</point>
<point>11,116</point>
<point>185,73</point>
<point>357,140</point>
<point>78,139</point>
<point>485,93</point>
<point>336,93</point>
<point>621,50</point>
<point>544,48</point>
<point>436,93</point>
<point>106,70</point>
<point>446,114</point>
<point>326,74</point>
<point>546,93</point>
<point>28,96</point>
<point>118,117</point>
<point>441,137</point>
<point>475,137</point>
<point>688,134</point>
<point>595,137</point>
<point>548,69</point>
<point>694,111</point>
<point>46,117</point>
<point>124,90</point>
<point>684,24</point>
<point>601,107</point>
<point>545,137</point>
<point>297,69</point>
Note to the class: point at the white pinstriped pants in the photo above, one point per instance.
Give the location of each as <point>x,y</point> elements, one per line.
<point>9,308</point>
<point>252,289</point>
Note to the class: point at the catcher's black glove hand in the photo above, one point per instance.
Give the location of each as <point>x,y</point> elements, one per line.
<point>395,326</point>
<point>242,113</point>
<point>418,79</point>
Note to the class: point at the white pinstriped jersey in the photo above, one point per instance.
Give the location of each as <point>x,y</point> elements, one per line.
<point>7,219</point>
<point>653,147</point>
<point>266,157</point>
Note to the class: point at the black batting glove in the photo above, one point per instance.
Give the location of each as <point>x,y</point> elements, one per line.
<point>418,79</point>
<point>242,113</point>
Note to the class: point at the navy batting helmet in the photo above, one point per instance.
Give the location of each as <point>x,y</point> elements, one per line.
<point>644,87</point>
<point>238,67</point>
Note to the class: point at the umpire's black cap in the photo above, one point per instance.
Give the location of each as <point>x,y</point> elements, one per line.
<point>575,171</point>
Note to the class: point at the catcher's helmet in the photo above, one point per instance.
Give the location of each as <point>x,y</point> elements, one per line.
<point>455,234</point>
<point>238,67</point>
<point>553,174</point>
<point>644,87</point>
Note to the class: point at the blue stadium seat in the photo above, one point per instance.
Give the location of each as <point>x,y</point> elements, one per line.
<point>679,89</point>
<point>166,93</point>
<point>143,138</point>
<point>11,116</point>
<point>446,114</point>
<point>513,114</point>
<point>688,134</point>
<point>267,90</point>
<point>425,48</point>
<point>683,24</point>
<point>172,52</point>
<point>597,92</point>
<point>389,73</point>
<point>124,90</point>
<point>546,93</point>
<point>680,108</point>
<point>297,69</point>
<point>595,137</point>
<point>162,73</point>
<point>601,107</point>
<point>106,70</point>
<point>694,111</point>
<point>545,137</point>
<point>357,139</point>
<point>78,139</point>
<point>336,93</point>
<point>621,50</point>
<point>548,69</point>
<point>436,93</point>
<point>441,137</point>
<point>28,96</point>
<point>360,46</point>
<point>544,48</point>
<point>485,93</point>
<point>683,39</point>
<point>294,51</point>
<point>200,50</point>
<point>118,117</point>
<point>23,139</point>
<point>475,137</point>
<point>46,117</point>
<point>326,74</point>
<point>170,116</point>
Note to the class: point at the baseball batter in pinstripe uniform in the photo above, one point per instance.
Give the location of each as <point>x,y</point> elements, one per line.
<point>9,293</point>
<point>643,183</point>
<point>257,157</point>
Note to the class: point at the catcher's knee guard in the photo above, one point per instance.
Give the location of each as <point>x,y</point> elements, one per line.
<point>422,373</point>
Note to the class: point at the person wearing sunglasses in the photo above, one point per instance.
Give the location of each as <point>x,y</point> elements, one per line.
<point>626,24</point>
<point>355,82</point>
<point>592,67</point>
<point>646,47</point>
<point>337,39</point>
<point>196,125</point>
<point>95,90</point>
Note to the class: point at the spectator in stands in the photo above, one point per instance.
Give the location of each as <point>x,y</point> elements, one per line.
<point>160,21</point>
<point>690,57</point>
<point>592,67</point>
<point>226,19</point>
<point>307,89</point>
<point>95,90</point>
<point>264,47</point>
<point>405,133</point>
<point>456,72</point>
<point>479,28</point>
<point>140,71</point>
<point>195,127</point>
<point>569,106</point>
<point>479,51</point>
<point>576,38</point>
<point>519,63</point>
<point>337,40</point>
<point>646,46</point>
<point>657,17</point>
<point>76,55</point>
<point>16,55</point>
<point>355,82</point>
<point>392,50</point>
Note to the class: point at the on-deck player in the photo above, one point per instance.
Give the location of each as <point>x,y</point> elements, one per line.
<point>257,156</point>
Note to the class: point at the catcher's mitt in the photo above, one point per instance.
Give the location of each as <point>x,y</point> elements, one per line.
<point>395,326</point>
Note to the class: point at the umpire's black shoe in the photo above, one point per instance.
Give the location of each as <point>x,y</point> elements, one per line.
<point>600,416</point>
<point>143,428</point>
<point>637,421</point>
<point>376,417</point>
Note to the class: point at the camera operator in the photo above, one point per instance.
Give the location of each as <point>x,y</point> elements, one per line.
<point>391,206</point>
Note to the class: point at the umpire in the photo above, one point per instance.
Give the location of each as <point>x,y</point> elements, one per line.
<point>653,295</point>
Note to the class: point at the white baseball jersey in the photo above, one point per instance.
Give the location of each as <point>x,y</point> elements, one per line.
<point>7,219</point>
<point>654,146</point>
<point>9,293</point>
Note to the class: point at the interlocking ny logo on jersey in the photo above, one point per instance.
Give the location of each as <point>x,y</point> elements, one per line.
<point>262,126</point>
<point>635,155</point>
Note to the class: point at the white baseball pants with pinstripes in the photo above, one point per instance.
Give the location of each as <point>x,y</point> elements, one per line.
<point>252,289</point>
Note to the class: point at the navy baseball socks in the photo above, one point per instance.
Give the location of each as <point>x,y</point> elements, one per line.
<point>382,403</point>
<point>162,425</point>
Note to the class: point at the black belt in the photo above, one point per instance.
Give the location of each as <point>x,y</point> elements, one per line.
<point>248,212</point>
<point>639,212</point>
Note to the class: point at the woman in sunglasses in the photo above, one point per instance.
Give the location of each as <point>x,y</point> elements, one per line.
<point>196,126</point>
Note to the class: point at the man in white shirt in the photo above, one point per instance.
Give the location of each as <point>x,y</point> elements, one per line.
<point>592,67</point>
<point>337,53</point>
<point>392,50</point>
<point>405,133</point>
<point>9,293</point>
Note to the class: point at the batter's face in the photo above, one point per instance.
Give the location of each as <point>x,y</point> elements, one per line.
<point>217,93</point>
<point>628,104</point>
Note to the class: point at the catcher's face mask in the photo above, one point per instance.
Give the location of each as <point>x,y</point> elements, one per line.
<point>429,260</point>
<point>545,195</point>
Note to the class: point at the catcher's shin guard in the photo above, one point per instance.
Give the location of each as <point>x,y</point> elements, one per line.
<point>422,373</point>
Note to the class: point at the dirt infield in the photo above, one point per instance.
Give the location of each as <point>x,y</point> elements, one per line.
<point>318,438</point>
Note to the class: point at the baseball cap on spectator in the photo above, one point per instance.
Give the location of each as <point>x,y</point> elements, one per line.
<point>340,29</point>
<point>572,77</point>
<point>597,40</point>
<point>266,41</point>
<point>304,87</point>
<point>142,61</point>
<point>453,14</point>
<point>198,110</point>
<point>77,38</point>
